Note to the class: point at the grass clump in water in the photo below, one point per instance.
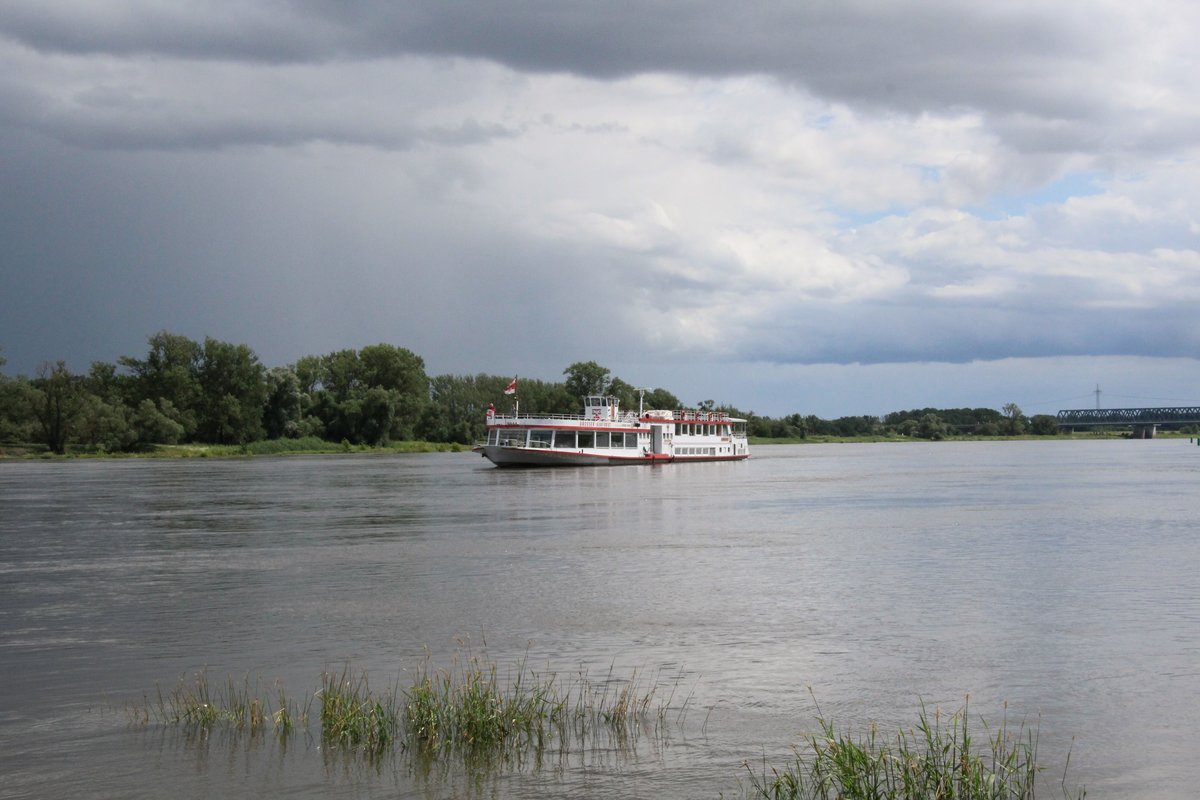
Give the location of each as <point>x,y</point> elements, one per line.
<point>238,707</point>
<point>468,707</point>
<point>934,760</point>
<point>352,716</point>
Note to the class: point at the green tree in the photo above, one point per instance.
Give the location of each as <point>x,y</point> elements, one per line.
<point>1014,419</point>
<point>1044,425</point>
<point>19,402</point>
<point>931,426</point>
<point>156,423</point>
<point>401,373</point>
<point>586,378</point>
<point>367,397</point>
<point>169,372</point>
<point>662,399</point>
<point>233,392</point>
<point>104,416</point>
<point>284,409</point>
<point>626,395</point>
<point>59,398</point>
<point>377,413</point>
<point>103,425</point>
<point>458,406</point>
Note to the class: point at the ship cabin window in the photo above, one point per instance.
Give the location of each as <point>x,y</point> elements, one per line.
<point>512,437</point>
<point>631,440</point>
<point>601,438</point>
<point>540,438</point>
<point>564,439</point>
<point>586,439</point>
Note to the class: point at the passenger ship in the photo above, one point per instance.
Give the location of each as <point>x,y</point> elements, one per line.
<point>604,435</point>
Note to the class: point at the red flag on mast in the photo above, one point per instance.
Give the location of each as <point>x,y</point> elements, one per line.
<point>512,387</point>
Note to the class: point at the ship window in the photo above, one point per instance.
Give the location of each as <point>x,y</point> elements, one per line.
<point>586,439</point>
<point>540,438</point>
<point>631,440</point>
<point>564,439</point>
<point>602,439</point>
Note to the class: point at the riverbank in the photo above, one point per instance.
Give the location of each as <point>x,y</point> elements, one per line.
<point>268,447</point>
<point>1069,437</point>
<point>314,446</point>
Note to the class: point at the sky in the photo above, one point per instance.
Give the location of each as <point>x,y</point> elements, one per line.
<point>830,207</point>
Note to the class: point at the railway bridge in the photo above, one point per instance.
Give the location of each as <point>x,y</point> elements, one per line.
<point>1142,421</point>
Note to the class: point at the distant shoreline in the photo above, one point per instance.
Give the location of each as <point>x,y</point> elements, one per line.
<point>268,447</point>
<point>291,447</point>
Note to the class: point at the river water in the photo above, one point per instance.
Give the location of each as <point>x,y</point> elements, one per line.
<point>1055,582</point>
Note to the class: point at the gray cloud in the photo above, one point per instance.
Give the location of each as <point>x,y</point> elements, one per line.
<point>1018,61</point>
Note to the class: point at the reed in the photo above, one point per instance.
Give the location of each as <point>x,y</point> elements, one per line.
<point>937,759</point>
<point>240,707</point>
<point>470,708</point>
<point>352,716</point>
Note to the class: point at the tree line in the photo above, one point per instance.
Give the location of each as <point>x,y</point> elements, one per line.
<point>214,392</point>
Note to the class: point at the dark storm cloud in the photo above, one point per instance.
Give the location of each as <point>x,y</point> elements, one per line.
<point>905,56</point>
<point>1034,69</point>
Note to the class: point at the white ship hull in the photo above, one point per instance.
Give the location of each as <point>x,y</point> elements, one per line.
<point>539,457</point>
<point>603,436</point>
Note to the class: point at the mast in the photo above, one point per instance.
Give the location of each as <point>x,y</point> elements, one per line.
<point>641,400</point>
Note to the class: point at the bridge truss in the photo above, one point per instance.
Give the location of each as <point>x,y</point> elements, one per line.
<point>1184,415</point>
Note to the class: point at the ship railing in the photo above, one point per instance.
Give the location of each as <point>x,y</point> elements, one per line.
<point>686,415</point>
<point>524,419</point>
<point>678,415</point>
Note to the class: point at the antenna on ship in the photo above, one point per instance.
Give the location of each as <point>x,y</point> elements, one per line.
<point>641,398</point>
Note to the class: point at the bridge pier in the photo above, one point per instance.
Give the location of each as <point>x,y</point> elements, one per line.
<point>1143,431</point>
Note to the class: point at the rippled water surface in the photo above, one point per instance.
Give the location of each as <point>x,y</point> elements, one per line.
<point>1059,579</point>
